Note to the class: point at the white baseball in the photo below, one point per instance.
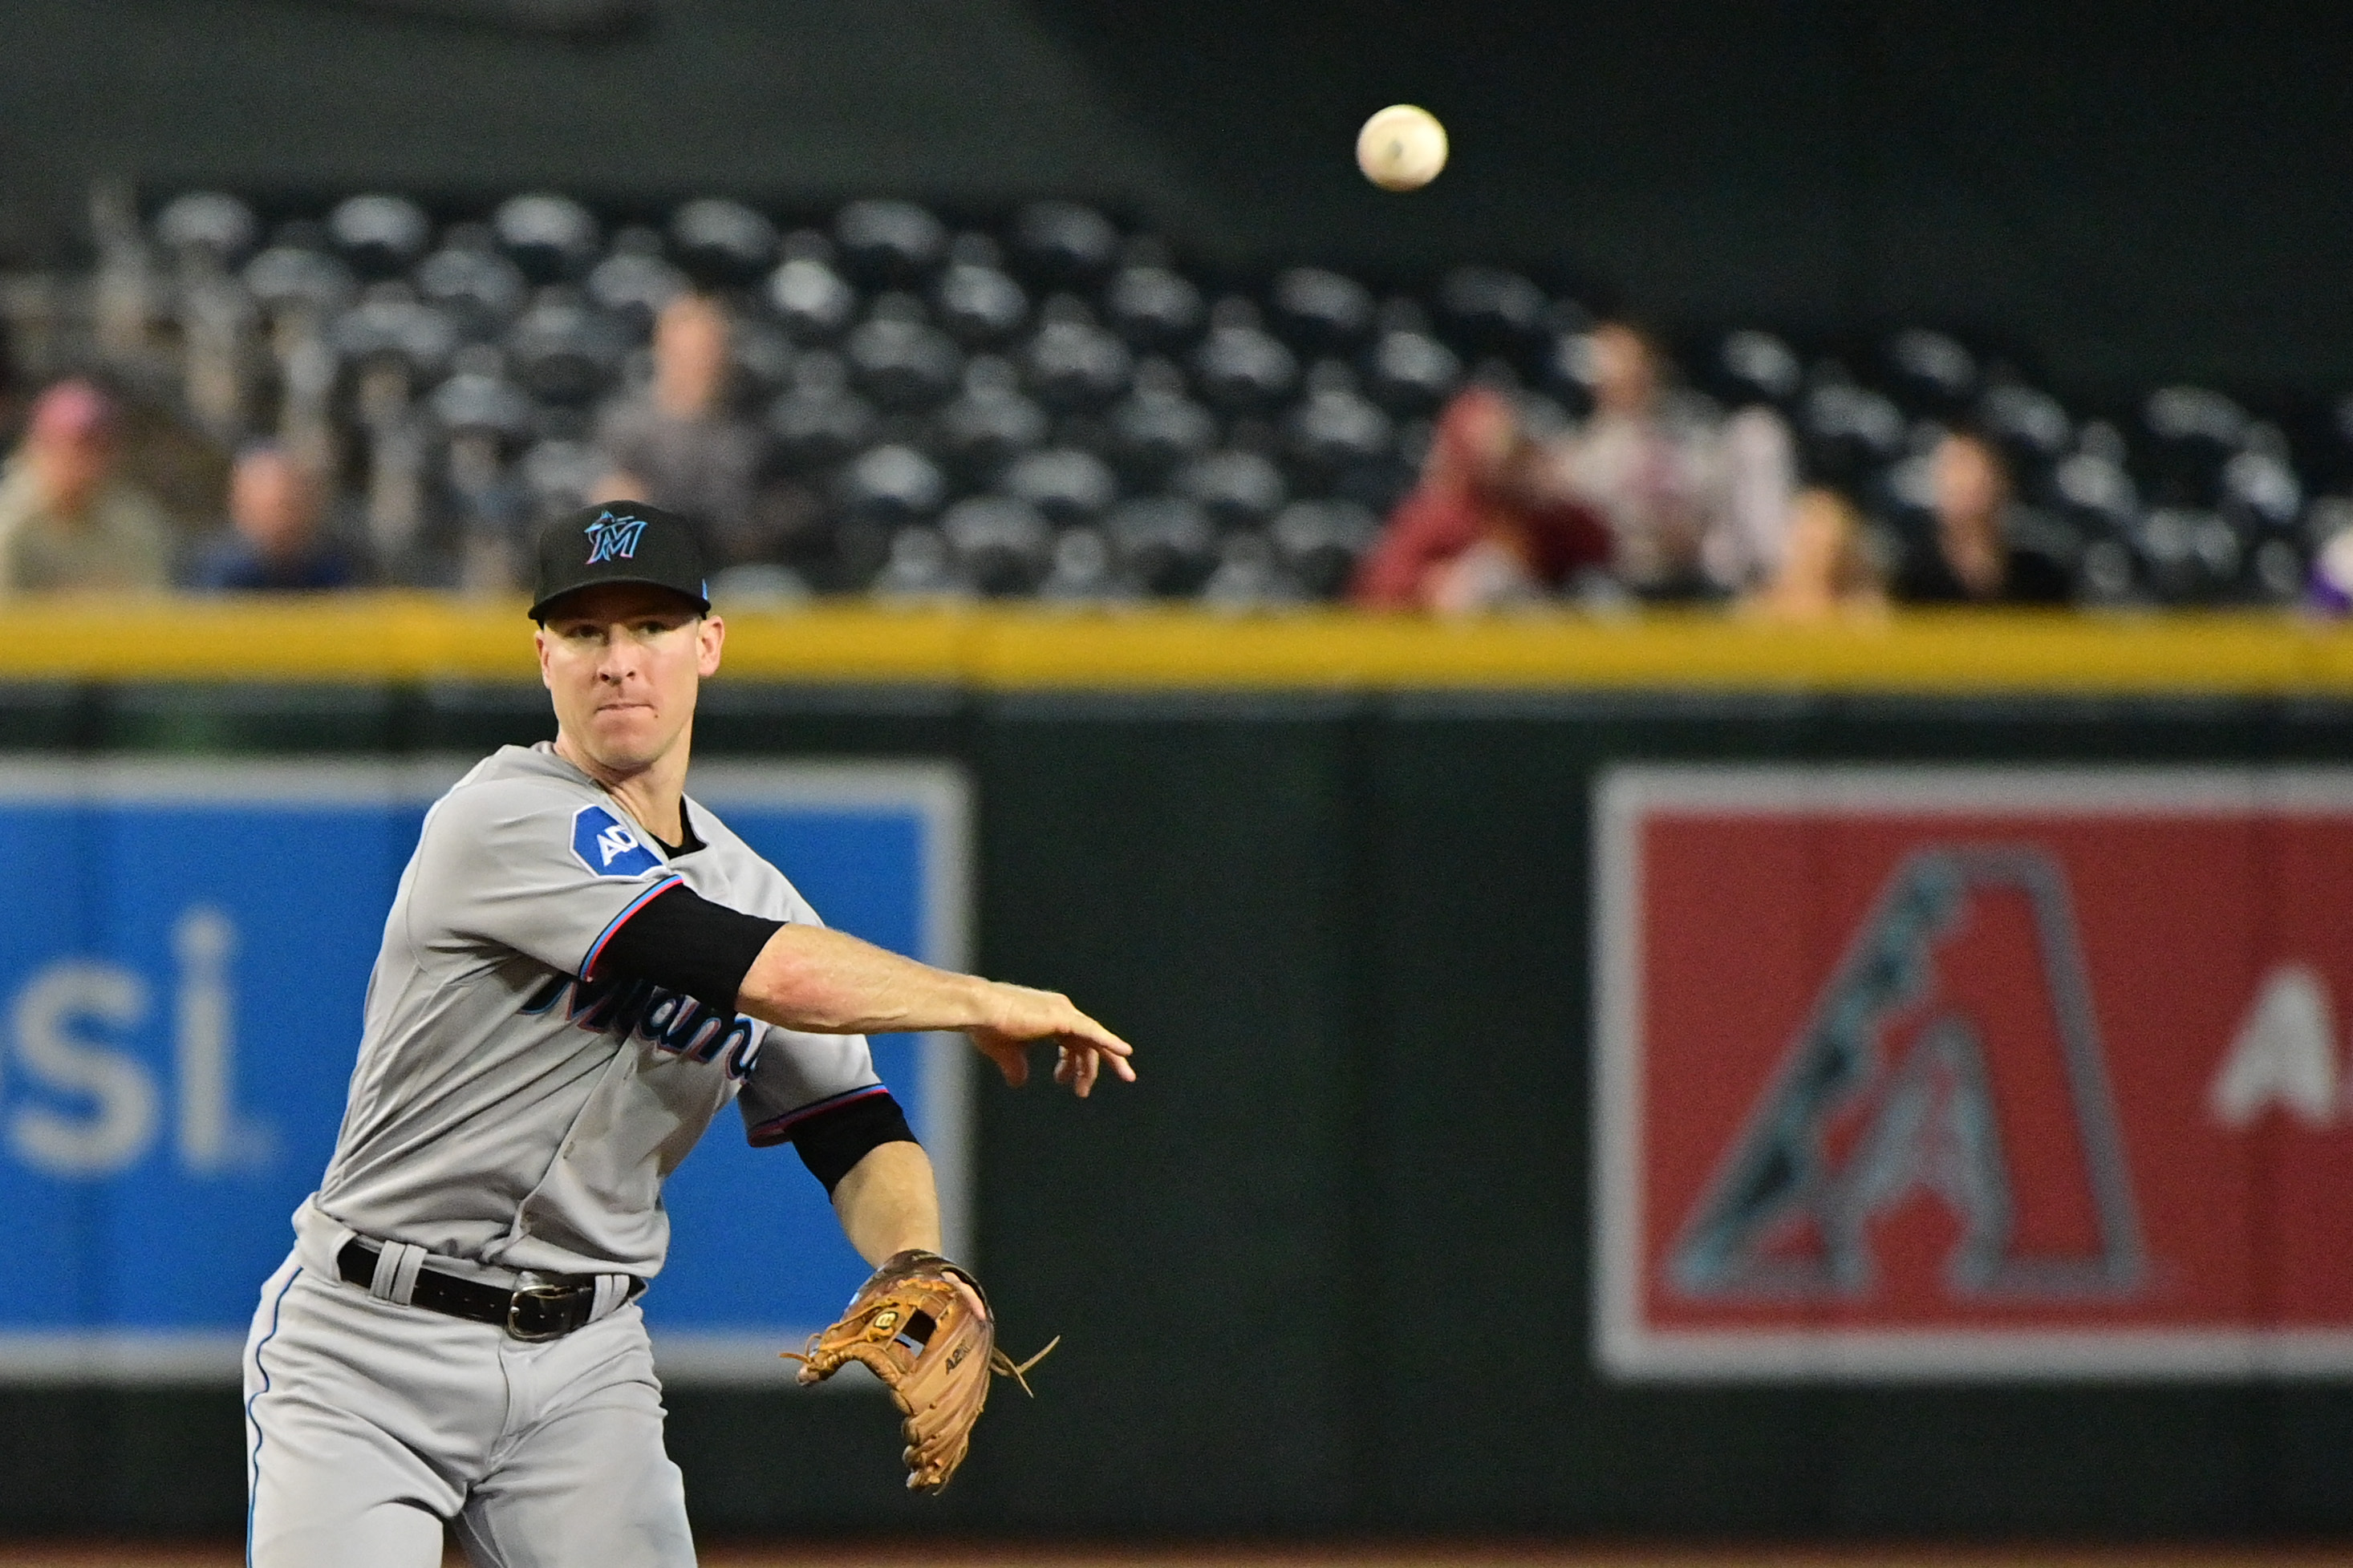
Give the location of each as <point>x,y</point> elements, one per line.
<point>1401,148</point>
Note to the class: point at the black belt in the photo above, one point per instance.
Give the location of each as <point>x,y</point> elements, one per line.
<point>532,1312</point>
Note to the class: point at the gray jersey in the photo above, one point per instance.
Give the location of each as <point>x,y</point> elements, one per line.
<point>503,1110</point>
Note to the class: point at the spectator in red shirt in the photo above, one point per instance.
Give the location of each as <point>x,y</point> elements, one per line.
<point>1484,526</point>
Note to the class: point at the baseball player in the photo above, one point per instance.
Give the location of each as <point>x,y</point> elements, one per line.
<point>582,967</point>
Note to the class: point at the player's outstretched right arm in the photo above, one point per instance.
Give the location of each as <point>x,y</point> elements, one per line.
<point>826,982</point>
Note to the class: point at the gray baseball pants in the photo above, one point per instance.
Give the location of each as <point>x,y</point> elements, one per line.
<point>371,1425</point>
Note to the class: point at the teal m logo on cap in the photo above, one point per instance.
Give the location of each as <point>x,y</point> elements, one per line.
<point>613,538</point>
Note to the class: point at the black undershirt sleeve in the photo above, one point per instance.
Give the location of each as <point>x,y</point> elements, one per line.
<point>831,1142</point>
<point>683,942</point>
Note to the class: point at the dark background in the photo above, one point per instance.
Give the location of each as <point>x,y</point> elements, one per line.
<point>2125,193</point>
<point>1324,1270</point>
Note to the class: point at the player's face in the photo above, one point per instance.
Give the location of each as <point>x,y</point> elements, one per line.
<point>623,664</point>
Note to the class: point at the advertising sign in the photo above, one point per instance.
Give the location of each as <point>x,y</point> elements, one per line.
<point>184,952</point>
<point>1963,1073</point>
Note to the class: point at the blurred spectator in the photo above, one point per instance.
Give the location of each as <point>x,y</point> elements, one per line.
<point>1757,456</point>
<point>1646,469</point>
<point>68,519</point>
<point>1983,547</point>
<point>682,445</point>
<point>1827,569</point>
<point>275,542</point>
<point>1486,525</point>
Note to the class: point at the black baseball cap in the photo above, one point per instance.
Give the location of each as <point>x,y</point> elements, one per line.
<point>620,542</point>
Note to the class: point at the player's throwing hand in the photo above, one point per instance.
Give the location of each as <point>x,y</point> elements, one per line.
<point>1023,1016</point>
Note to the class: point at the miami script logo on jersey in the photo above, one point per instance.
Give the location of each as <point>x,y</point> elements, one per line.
<point>674,1024</point>
<point>608,846</point>
<point>1891,1090</point>
<point>613,538</point>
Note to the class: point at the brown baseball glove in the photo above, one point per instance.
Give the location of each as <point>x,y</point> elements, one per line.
<point>922,1325</point>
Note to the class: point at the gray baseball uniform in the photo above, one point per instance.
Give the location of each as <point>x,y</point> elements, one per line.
<point>510,1119</point>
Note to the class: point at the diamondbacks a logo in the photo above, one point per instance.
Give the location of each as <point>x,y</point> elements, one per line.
<point>1892,1091</point>
<point>613,537</point>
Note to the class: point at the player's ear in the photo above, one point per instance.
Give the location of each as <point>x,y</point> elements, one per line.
<point>539,643</point>
<point>710,637</point>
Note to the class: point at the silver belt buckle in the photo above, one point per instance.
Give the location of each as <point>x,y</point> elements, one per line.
<point>527,1295</point>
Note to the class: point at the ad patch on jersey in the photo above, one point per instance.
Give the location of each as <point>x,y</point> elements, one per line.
<point>609,846</point>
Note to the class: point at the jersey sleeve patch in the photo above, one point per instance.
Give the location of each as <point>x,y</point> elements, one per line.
<point>608,846</point>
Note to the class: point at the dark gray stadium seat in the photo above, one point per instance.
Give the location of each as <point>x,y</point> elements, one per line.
<point>391,326</point>
<point>1153,308</point>
<point>380,236</point>
<point>815,302</point>
<point>1236,489</point>
<point>1002,544</point>
<point>478,397</point>
<point>1084,569</point>
<point>892,485</point>
<point>212,222</point>
<point>481,288</point>
<point>1411,372</point>
<point>1239,366</point>
<point>1064,485</point>
<point>1750,366</point>
<point>888,244</point>
<point>552,237</point>
<point>1494,309</point>
<point>1931,374</point>
<point>722,244</point>
<point>1320,542</point>
<point>1321,311</point>
<point>636,280</point>
<point>1074,365</point>
<point>1336,427</point>
<point>562,350</point>
<point>294,276</point>
<point>1062,245</point>
<point>979,305</point>
<point>1157,427</point>
<point>989,423</point>
<point>1164,544</point>
<point>899,359</point>
<point>818,421</point>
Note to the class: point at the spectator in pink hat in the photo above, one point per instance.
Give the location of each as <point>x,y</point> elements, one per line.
<point>67,519</point>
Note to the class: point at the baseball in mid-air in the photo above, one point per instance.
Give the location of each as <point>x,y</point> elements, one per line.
<point>1401,148</point>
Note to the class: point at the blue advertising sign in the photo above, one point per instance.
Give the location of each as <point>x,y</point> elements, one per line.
<point>183,950</point>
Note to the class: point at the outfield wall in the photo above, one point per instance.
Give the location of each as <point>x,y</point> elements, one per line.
<point>1333,1266</point>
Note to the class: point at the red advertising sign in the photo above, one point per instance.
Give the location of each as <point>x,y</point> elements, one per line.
<point>1973,1073</point>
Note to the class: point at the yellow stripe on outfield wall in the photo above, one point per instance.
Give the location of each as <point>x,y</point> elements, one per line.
<point>402,637</point>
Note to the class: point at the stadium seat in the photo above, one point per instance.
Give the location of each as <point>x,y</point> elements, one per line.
<point>1494,310</point>
<point>1249,575</point>
<point>899,359</point>
<point>1239,367</point>
<point>480,288</point>
<point>1002,543</point>
<point>1065,486</point>
<point>1075,365</point>
<point>888,244</point>
<point>989,423</point>
<point>1063,245</point>
<point>2192,432</point>
<point>921,566</point>
<point>208,223</point>
<point>722,244</point>
<point>1932,376</point>
<point>1320,542</point>
<point>563,351</point>
<point>1411,372</point>
<point>1153,308</point>
<point>297,278</point>
<point>815,303</point>
<point>1751,366</point>
<point>1157,427</point>
<point>636,280</point>
<point>1321,311</point>
<point>390,326</point>
<point>761,354</point>
<point>892,485</point>
<point>380,236</point>
<point>552,238</point>
<point>477,396</point>
<point>978,305</point>
<point>1233,488</point>
<point>1164,544</point>
<point>1084,570</point>
<point>1336,428</point>
<point>818,421</point>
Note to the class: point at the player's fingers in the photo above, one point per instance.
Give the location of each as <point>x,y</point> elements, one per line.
<point>1095,1035</point>
<point>1010,1057</point>
<point>1083,1078</point>
<point>1062,1064</point>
